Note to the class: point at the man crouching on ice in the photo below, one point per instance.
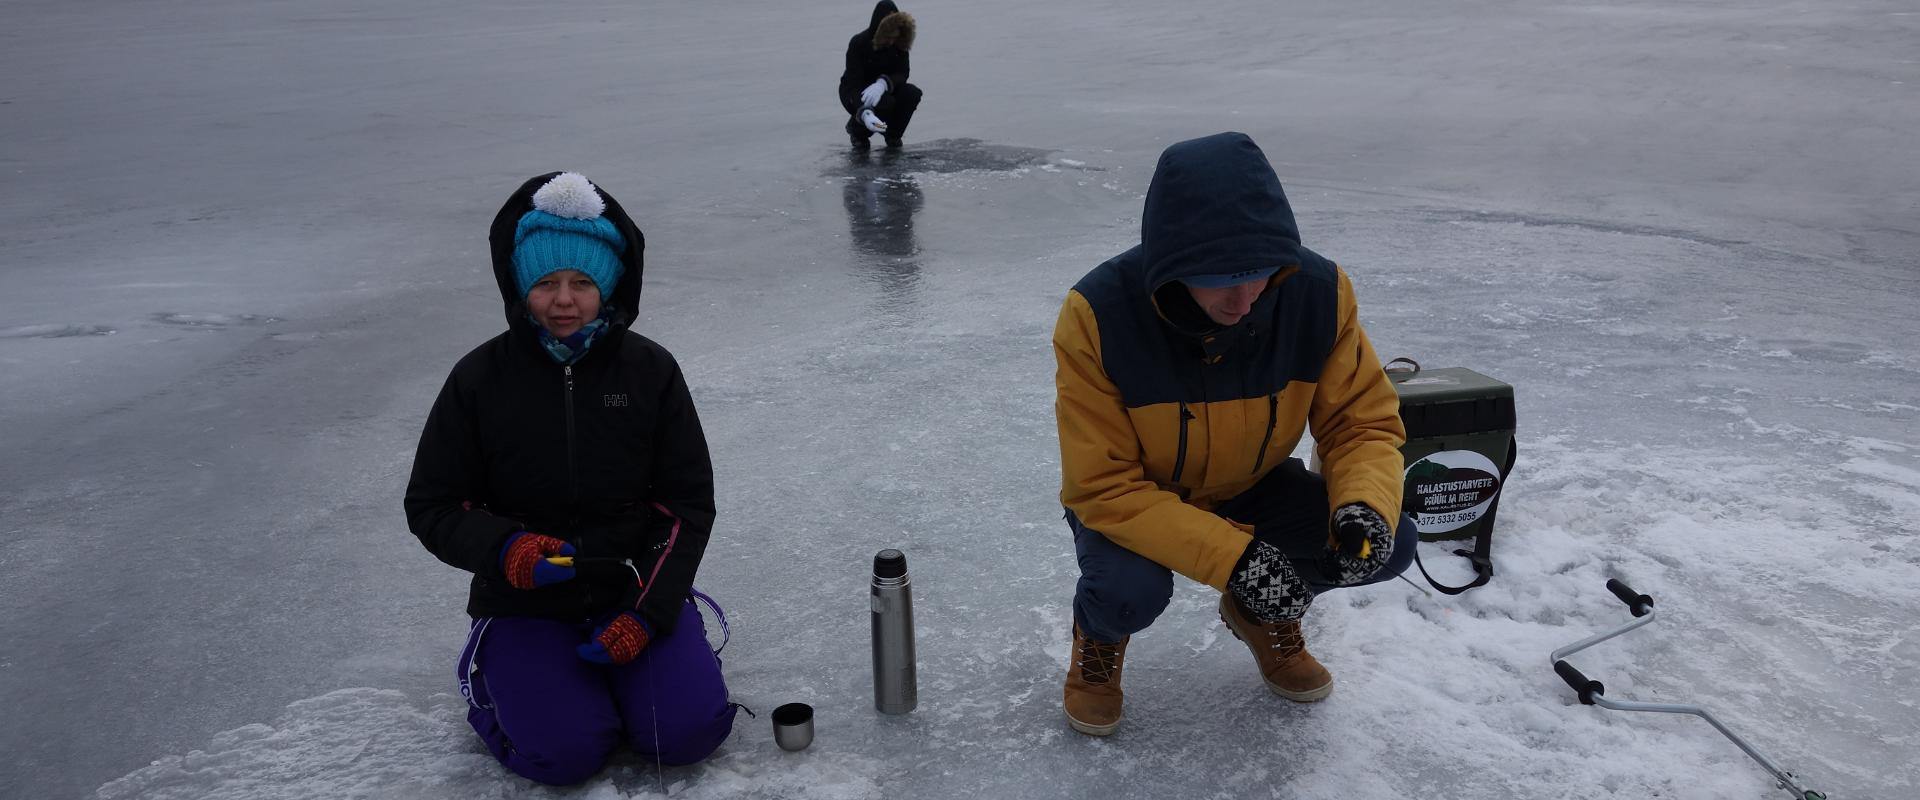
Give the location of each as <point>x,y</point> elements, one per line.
<point>1187,368</point>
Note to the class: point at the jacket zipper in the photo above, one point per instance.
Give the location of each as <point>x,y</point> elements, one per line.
<point>1180,461</point>
<point>573,479</point>
<point>1273,412</point>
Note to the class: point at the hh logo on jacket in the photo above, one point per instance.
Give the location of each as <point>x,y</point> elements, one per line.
<point>613,401</point>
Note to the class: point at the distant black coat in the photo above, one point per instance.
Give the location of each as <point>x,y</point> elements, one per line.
<point>866,64</point>
<point>607,454</point>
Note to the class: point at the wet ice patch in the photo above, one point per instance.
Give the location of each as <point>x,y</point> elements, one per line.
<point>1056,164</point>
<point>959,155</point>
<point>1834,352</point>
<point>310,336</point>
<point>206,320</point>
<point>54,331</point>
<point>1571,223</point>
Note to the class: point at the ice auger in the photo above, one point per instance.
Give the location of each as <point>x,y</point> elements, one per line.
<point>1593,693</point>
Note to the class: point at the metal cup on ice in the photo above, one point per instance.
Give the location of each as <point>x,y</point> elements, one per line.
<point>793,726</point>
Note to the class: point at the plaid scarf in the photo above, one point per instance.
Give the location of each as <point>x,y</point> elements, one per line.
<point>568,349</point>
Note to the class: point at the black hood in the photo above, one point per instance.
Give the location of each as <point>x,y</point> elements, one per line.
<point>625,300</point>
<point>880,12</point>
<point>1216,207</point>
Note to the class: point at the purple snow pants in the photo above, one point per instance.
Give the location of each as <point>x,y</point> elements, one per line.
<point>553,717</point>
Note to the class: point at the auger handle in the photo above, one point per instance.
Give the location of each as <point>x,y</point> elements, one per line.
<point>1587,688</point>
<point>1640,603</point>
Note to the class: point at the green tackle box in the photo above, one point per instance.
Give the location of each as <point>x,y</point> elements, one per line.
<point>1459,449</point>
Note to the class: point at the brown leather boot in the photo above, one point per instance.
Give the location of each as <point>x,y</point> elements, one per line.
<point>1281,651</point>
<point>1093,685</point>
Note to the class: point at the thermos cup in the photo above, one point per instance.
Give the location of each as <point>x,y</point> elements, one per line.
<point>793,726</point>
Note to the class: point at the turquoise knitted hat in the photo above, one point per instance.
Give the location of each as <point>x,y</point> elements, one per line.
<point>565,230</point>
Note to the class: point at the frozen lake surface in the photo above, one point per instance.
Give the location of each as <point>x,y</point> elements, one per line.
<point>246,241</point>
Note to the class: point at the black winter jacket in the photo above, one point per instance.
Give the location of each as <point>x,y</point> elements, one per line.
<point>866,65</point>
<point>606,453</point>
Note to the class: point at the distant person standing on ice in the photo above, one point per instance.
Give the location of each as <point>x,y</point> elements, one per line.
<point>569,435</point>
<point>874,87</point>
<point>1187,368</point>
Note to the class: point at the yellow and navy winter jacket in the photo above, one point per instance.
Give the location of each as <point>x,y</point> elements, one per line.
<point>1164,415</point>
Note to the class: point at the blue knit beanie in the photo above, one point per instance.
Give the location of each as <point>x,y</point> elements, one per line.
<point>1230,279</point>
<point>565,230</point>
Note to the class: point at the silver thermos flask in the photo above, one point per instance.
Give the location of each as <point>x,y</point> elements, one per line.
<point>894,690</point>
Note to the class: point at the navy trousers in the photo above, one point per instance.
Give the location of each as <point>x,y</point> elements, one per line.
<point>551,716</point>
<point>1121,592</point>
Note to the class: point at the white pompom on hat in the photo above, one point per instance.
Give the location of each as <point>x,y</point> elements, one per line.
<point>569,195</point>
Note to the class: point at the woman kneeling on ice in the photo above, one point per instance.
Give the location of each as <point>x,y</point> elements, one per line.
<point>563,465</point>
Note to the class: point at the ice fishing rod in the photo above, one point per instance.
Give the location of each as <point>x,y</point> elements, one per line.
<point>1592,693</point>
<point>653,704</point>
<point>570,561</point>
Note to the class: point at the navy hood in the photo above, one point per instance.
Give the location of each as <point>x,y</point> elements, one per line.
<point>625,298</point>
<point>1215,207</point>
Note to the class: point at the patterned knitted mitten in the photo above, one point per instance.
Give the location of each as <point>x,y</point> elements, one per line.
<point>524,560</point>
<point>1365,543</point>
<point>1267,586</point>
<point>618,640</point>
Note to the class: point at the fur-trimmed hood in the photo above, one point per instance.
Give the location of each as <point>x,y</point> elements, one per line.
<point>877,51</point>
<point>895,30</point>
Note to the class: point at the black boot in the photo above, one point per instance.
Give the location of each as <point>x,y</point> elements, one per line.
<point>858,133</point>
<point>897,109</point>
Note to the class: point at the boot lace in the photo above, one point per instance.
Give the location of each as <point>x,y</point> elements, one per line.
<point>1285,637</point>
<point>1099,661</point>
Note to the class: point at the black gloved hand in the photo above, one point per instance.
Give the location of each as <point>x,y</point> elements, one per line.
<point>1267,586</point>
<point>1362,543</point>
